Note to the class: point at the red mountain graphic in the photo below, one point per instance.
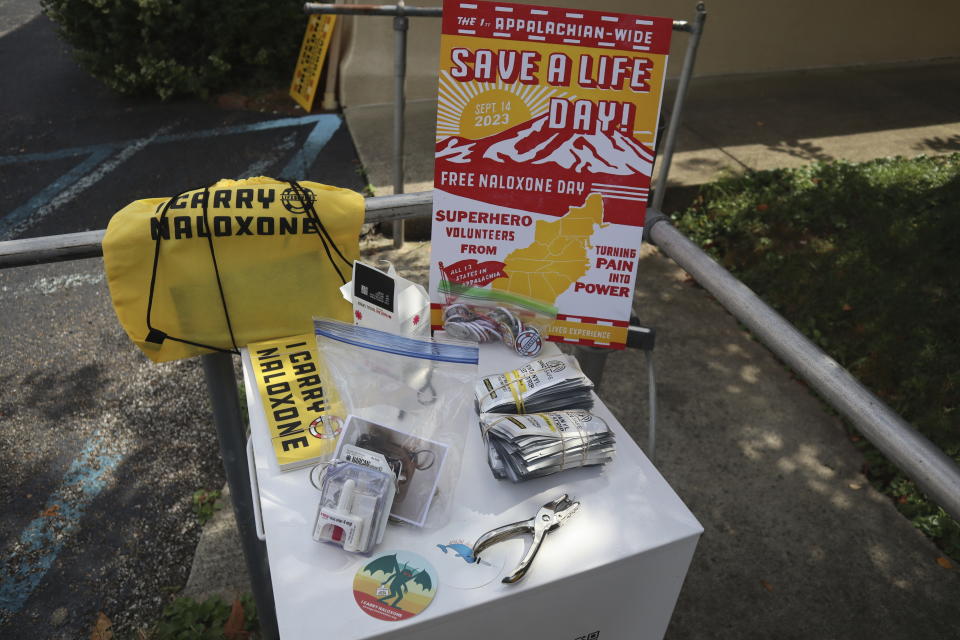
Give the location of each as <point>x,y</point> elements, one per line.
<point>533,142</point>
<point>507,166</point>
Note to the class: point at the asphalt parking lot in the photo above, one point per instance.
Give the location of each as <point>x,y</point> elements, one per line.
<point>101,464</point>
<point>103,449</point>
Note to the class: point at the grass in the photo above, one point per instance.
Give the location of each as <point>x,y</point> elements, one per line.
<point>205,504</point>
<point>210,619</point>
<point>865,260</point>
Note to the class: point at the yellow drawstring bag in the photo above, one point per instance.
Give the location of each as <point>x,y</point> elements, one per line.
<point>241,261</point>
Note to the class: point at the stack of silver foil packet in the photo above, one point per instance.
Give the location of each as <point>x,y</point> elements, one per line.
<point>520,447</point>
<point>546,384</point>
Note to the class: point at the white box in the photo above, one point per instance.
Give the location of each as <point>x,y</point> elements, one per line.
<point>612,571</point>
<point>394,304</point>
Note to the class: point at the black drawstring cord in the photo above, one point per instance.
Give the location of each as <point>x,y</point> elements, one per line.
<point>216,270</point>
<point>311,213</point>
<point>205,346</point>
<point>316,216</point>
<point>156,336</point>
<point>322,232</point>
<point>153,335</point>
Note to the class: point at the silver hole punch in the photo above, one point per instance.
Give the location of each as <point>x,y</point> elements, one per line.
<point>548,518</point>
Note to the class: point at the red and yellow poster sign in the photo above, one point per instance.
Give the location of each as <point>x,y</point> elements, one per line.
<point>546,125</point>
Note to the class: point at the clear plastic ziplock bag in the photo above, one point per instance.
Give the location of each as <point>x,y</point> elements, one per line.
<point>412,401</point>
<point>487,315</point>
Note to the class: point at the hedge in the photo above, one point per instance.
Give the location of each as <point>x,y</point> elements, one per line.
<point>172,47</point>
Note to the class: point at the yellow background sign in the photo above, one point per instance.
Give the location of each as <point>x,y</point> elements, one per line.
<point>313,51</point>
<point>302,406</point>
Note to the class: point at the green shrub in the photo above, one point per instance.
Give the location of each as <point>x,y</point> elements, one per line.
<point>169,47</point>
<point>863,259</point>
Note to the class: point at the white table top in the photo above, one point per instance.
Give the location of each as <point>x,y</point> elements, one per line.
<point>627,509</point>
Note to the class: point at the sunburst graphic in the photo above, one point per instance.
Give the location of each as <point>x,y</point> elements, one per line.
<point>478,109</point>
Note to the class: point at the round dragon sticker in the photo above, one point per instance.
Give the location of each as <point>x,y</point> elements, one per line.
<point>395,585</point>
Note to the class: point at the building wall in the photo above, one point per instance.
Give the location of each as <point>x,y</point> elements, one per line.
<point>740,36</point>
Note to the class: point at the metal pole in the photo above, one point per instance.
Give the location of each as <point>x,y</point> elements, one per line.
<point>222,386</point>
<point>333,68</point>
<point>934,472</point>
<point>696,30</point>
<point>88,244</point>
<point>375,10</point>
<point>652,400</point>
<point>400,25</point>
<point>592,361</point>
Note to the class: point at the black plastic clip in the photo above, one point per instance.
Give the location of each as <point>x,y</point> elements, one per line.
<point>156,336</point>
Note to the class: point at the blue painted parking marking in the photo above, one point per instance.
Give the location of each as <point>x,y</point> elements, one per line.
<point>253,127</point>
<point>42,539</point>
<point>98,160</point>
<point>300,162</point>
<point>22,214</point>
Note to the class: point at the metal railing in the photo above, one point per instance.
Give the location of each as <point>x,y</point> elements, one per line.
<point>401,24</point>
<point>935,473</point>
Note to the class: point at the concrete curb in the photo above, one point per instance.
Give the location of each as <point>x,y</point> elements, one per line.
<point>218,568</point>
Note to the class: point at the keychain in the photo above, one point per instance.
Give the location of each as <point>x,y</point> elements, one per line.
<point>402,461</point>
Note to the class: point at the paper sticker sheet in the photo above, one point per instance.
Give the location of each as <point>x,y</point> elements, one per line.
<point>301,407</point>
<point>546,126</point>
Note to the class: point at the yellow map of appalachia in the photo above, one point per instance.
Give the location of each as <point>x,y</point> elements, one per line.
<point>556,258</point>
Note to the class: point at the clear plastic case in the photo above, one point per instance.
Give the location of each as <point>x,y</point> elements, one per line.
<point>355,502</point>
